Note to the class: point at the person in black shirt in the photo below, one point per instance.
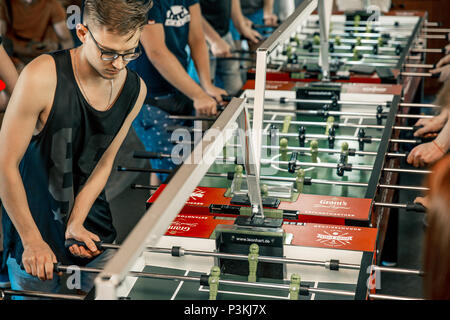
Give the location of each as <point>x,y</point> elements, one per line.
<point>75,108</point>
<point>216,24</point>
<point>260,11</point>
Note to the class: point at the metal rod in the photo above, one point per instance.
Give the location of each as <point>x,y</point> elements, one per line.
<point>131,169</point>
<point>394,154</point>
<point>339,125</point>
<point>418,57</point>
<point>418,105</point>
<point>362,168</point>
<point>436,30</point>
<point>138,186</point>
<point>418,74</point>
<point>348,138</point>
<point>322,137</point>
<point>390,205</point>
<point>417,65</point>
<point>259,285</point>
<point>415,116</point>
<point>284,100</point>
<point>318,165</point>
<point>245,257</point>
<point>377,296</point>
<point>428,50</point>
<point>324,150</point>
<point>433,24</point>
<point>398,270</point>
<point>416,207</point>
<point>328,182</point>
<point>36,294</point>
<point>407,171</point>
<point>435,36</point>
<point>414,188</point>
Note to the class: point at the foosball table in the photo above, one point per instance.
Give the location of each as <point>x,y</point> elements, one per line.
<point>287,195</point>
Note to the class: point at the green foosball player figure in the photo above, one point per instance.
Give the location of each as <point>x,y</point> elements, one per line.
<point>283,149</point>
<point>297,40</point>
<point>294,286</point>
<point>300,180</point>
<point>224,151</point>
<point>316,40</point>
<point>238,170</point>
<point>253,262</point>
<point>264,190</point>
<point>355,55</point>
<point>213,282</point>
<point>344,151</point>
<point>330,124</point>
<point>314,150</point>
<point>289,51</point>
<point>337,41</point>
<point>357,21</point>
<point>286,124</point>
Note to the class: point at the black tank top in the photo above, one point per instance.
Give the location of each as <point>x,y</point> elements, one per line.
<point>60,159</point>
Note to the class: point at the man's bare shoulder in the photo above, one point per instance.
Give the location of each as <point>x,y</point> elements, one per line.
<point>37,83</point>
<point>42,68</point>
<point>40,75</point>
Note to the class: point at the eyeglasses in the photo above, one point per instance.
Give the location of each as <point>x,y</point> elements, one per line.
<point>112,56</point>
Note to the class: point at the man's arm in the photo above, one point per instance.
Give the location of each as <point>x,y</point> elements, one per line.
<point>94,186</point>
<point>218,46</point>
<point>270,19</point>
<point>8,74</point>
<point>200,55</point>
<point>64,36</point>
<point>239,22</point>
<point>153,41</point>
<point>32,95</point>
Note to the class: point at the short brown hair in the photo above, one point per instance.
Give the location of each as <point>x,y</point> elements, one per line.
<point>437,237</point>
<point>121,16</point>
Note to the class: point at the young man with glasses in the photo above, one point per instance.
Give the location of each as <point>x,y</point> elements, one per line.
<point>74,108</point>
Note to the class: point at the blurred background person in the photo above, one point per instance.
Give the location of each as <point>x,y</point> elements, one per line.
<point>9,76</point>
<point>34,27</point>
<point>436,264</point>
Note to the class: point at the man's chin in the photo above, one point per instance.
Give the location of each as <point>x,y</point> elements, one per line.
<point>109,75</point>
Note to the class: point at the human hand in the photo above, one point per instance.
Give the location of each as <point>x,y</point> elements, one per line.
<point>443,67</point>
<point>38,260</point>
<point>432,125</point>
<point>270,20</point>
<point>216,93</point>
<point>250,34</point>
<point>221,49</point>
<point>205,105</point>
<point>425,201</point>
<point>425,154</point>
<point>79,233</point>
